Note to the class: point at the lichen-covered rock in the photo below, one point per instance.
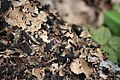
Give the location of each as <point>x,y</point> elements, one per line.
<point>37,44</point>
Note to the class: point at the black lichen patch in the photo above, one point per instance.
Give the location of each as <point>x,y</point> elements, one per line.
<point>10,37</point>
<point>61,59</point>
<point>82,76</point>
<point>5,5</point>
<point>10,70</point>
<point>105,71</point>
<point>25,47</point>
<point>48,46</point>
<point>2,47</point>
<point>77,29</point>
<point>56,77</point>
<point>48,73</point>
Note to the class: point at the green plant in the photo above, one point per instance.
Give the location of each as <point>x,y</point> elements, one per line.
<point>112,20</point>
<point>109,37</point>
<point>116,6</point>
<point>109,43</point>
